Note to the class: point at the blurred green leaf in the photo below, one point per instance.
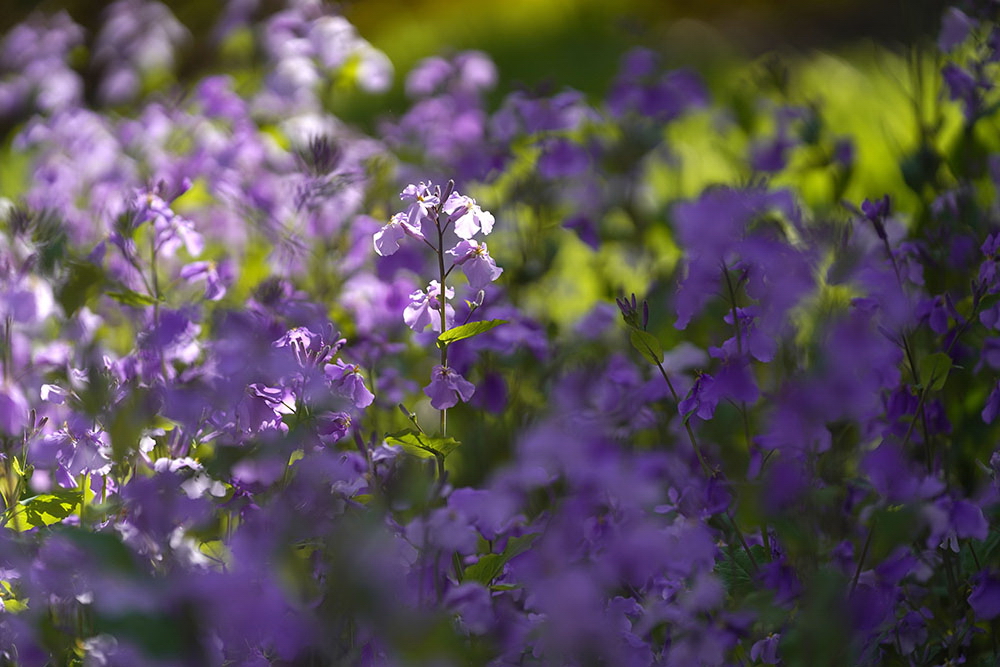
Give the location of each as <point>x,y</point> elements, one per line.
<point>647,344</point>
<point>82,285</point>
<point>421,444</point>
<point>42,510</point>
<point>132,298</point>
<point>489,567</point>
<point>934,370</point>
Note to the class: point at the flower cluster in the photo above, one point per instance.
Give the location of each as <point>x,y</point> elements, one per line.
<point>785,452</point>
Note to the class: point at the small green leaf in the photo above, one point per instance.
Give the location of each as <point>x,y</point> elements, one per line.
<point>647,344</point>
<point>489,566</point>
<point>132,298</point>
<point>467,331</point>
<point>42,510</point>
<point>934,370</point>
<point>421,444</point>
<point>16,465</point>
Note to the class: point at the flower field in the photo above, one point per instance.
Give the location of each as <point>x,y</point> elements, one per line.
<point>688,372</point>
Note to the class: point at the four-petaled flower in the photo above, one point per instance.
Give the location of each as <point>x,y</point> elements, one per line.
<point>387,239</point>
<point>468,217</point>
<point>476,263</point>
<point>447,387</point>
<point>425,308</point>
<point>347,380</point>
<point>422,200</point>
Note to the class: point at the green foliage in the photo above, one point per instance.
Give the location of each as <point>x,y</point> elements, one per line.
<point>421,444</point>
<point>82,286</point>
<point>42,510</point>
<point>735,570</point>
<point>934,369</point>
<point>647,344</point>
<point>490,566</point>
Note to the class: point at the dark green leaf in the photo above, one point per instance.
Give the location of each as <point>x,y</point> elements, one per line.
<point>82,285</point>
<point>489,567</point>
<point>735,569</point>
<point>934,370</point>
<point>467,331</point>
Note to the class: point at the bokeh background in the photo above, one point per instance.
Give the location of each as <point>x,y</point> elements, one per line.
<point>574,42</point>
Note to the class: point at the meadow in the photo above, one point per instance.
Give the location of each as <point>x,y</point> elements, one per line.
<point>310,355</point>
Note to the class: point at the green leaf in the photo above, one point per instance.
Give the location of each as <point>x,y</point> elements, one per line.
<point>82,285</point>
<point>421,444</point>
<point>934,370</point>
<point>467,331</point>
<point>647,344</point>
<point>132,298</point>
<point>489,566</point>
<point>42,510</point>
<point>734,569</point>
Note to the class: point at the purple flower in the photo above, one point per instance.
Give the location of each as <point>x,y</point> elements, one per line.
<point>13,409</point>
<point>955,27</point>
<point>422,200</point>
<point>953,520</point>
<point>447,387</point>
<point>332,426</point>
<point>985,596</point>
<point>386,240</point>
<point>766,650</point>
<point>992,405</point>
<point>476,263</point>
<point>424,308</point>
<point>347,381</point>
<point>468,217</point>
<point>214,288</point>
<point>701,400</point>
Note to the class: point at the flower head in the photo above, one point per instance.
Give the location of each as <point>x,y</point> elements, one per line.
<point>386,240</point>
<point>424,308</point>
<point>476,263</point>
<point>468,217</point>
<point>423,199</point>
<point>447,387</point>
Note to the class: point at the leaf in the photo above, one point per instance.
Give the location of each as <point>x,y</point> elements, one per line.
<point>734,569</point>
<point>467,331</point>
<point>934,370</point>
<point>647,344</point>
<point>421,444</point>
<point>132,298</point>
<point>489,566</point>
<point>82,285</point>
<point>42,510</point>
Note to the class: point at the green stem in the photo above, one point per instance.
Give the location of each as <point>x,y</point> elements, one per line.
<point>442,303</point>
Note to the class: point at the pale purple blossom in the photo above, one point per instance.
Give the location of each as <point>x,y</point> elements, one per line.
<point>476,263</point>
<point>386,240</point>
<point>423,200</point>
<point>424,308</point>
<point>468,217</point>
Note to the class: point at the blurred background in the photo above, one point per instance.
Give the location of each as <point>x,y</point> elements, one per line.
<point>576,43</point>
